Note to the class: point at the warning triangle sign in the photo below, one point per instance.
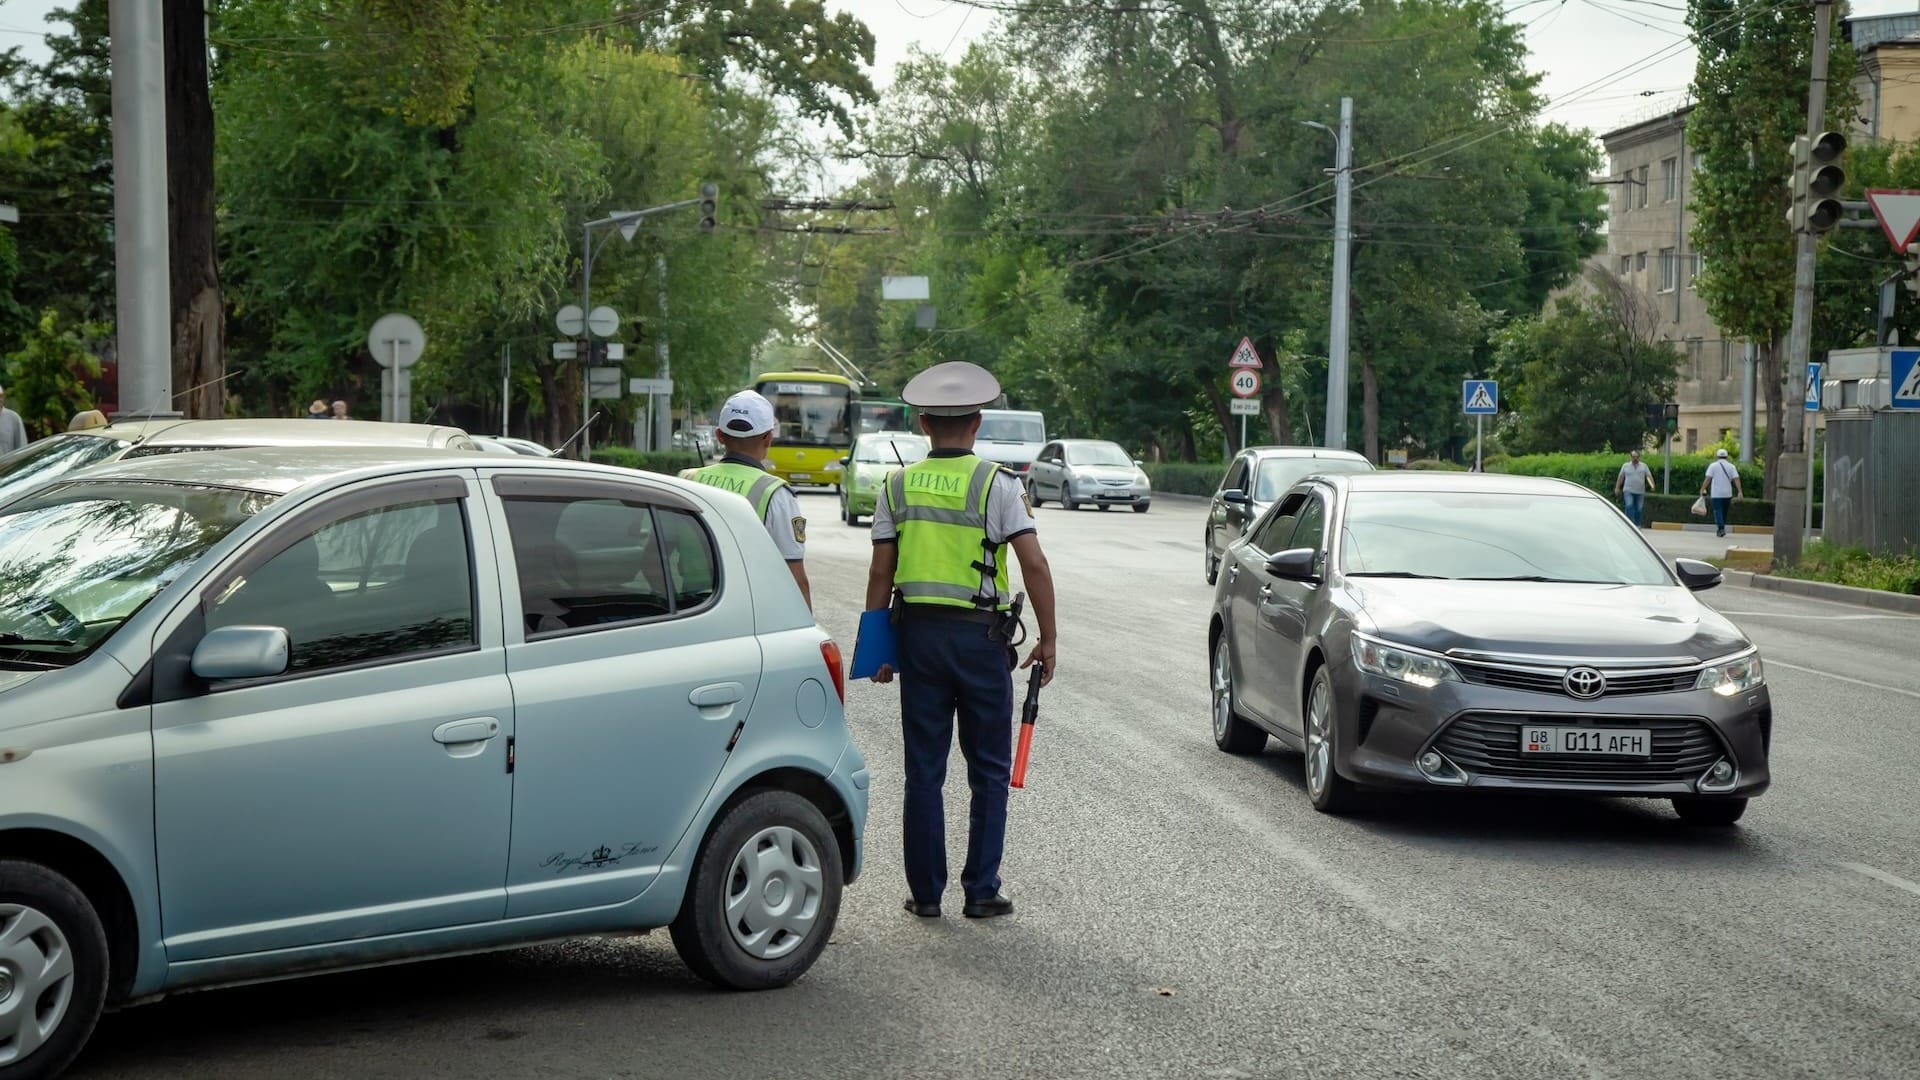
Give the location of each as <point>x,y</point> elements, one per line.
<point>1899,215</point>
<point>1245,355</point>
<point>1481,401</point>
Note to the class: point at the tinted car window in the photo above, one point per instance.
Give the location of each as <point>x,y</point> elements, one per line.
<point>1277,530</point>
<point>691,565</point>
<point>384,584</point>
<point>1236,475</point>
<point>1463,534</point>
<point>1097,454</point>
<point>1311,532</point>
<point>1276,475</point>
<point>589,562</point>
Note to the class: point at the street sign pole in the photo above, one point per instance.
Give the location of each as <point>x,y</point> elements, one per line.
<point>1479,443</point>
<point>1809,408</point>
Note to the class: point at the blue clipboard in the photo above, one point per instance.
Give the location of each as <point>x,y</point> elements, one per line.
<point>874,648</point>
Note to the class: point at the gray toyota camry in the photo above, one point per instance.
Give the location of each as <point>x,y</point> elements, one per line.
<point>1469,631</point>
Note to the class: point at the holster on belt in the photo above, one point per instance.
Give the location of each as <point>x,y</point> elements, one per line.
<point>1003,630</point>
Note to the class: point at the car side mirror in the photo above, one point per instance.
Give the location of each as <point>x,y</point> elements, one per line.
<point>1294,564</point>
<point>241,652</point>
<point>1236,497</point>
<point>1696,575</point>
<point>1138,464</point>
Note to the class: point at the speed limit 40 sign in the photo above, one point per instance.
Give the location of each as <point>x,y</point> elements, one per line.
<point>1245,382</point>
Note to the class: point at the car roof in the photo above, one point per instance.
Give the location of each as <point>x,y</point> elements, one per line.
<point>1465,482</point>
<point>1262,453</point>
<point>283,432</point>
<point>281,470</point>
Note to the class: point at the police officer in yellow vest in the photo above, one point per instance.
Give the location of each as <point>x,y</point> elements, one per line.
<point>941,531</point>
<point>745,431</point>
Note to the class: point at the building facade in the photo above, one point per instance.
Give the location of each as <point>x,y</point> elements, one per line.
<point>1887,81</point>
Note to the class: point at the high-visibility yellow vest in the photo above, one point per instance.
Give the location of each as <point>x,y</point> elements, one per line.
<point>755,485</point>
<point>939,511</point>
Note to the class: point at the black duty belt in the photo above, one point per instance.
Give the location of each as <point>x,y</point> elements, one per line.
<point>951,613</point>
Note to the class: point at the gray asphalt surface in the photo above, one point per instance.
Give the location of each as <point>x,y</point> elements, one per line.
<point>1183,913</point>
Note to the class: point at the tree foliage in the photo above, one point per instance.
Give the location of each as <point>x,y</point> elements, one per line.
<point>45,375</point>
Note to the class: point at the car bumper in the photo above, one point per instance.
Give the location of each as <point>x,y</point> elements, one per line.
<point>851,781</point>
<point>1112,495</point>
<point>1390,728</point>
<point>860,503</point>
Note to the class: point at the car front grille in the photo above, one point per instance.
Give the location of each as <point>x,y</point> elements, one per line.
<point>1544,681</point>
<point>1488,745</point>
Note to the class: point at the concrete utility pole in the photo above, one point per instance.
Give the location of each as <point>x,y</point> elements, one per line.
<point>1790,493</point>
<point>142,322</point>
<point>1342,246</point>
<point>663,408</point>
<point>1747,385</point>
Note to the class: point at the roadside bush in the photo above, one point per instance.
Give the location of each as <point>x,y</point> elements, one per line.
<point>1677,508</point>
<point>1598,471</point>
<point>1437,465</point>
<point>1185,477</point>
<point>1858,567</point>
<point>669,462</point>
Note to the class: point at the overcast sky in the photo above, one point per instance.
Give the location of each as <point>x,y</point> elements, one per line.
<point>1606,62</point>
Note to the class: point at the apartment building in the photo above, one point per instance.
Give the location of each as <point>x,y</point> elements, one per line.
<point>1887,81</point>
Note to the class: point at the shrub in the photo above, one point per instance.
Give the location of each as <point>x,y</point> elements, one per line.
<point>1678,508</point>
<point>1437,464</point>
<point>1185,477</point>
<point>669,462</point>
<point>1598,471</point>
<point>1858,567</point>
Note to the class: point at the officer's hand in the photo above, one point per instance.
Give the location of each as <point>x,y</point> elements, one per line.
<point>884,675</point>
<point>1042,654</point>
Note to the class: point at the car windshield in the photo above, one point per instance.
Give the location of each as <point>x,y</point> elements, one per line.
<point>1019,429</point>
<point>902,450</point>
<point>39,463</point>
<point>883,416</point>
<point>78,560</point>
<point>1276,475</point>
<point>1494,536</point>
<point>1102,453</point>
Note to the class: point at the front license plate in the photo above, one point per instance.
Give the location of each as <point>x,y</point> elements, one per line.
<point>803,476</point>
<point>1584,741</point>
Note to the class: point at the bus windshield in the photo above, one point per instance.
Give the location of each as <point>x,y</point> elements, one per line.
<point>809,413</point>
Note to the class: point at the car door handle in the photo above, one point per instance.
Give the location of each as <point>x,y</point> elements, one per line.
<point>708,697</point>
<point>456,732</point>
<point>1266,592</point>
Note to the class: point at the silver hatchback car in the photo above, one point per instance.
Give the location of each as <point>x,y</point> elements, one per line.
<point>270,712</point>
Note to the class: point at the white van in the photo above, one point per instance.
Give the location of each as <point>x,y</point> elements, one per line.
<point>1012,437</point>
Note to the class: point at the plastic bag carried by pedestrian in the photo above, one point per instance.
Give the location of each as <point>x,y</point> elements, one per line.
<point>1700,506</point>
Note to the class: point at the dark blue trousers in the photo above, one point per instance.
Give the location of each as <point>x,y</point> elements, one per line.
<point>950,669</point>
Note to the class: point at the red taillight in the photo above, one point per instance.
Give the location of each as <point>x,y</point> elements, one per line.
<point>830,652</point>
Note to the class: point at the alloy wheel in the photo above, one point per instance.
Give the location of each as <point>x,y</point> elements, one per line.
<point>774,893</point>
<point>1222,690</point>
<point>36,980</point>
<point>1319,737</point>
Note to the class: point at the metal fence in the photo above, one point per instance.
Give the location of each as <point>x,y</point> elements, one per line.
<point>1873,481</point>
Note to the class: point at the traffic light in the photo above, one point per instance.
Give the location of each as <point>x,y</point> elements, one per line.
<point>1817,180</point>
<point>709,206</point>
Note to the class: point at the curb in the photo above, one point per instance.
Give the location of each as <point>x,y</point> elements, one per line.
<point>1675,526</point>
<point>1844,594</point>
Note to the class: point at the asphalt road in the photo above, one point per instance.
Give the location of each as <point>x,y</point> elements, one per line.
<point>1183,913</point>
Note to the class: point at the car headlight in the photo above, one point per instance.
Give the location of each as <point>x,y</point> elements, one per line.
<point>1140,478</point>
<point>1735,674</point>
<point>1407,665</point>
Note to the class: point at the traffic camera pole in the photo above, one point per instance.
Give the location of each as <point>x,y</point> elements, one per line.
<point>1790,493</point>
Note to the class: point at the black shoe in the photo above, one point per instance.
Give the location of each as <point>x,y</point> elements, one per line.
<point>997,904</point>
<point>925,911</point>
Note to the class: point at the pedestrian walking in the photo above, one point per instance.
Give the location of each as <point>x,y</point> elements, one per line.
<point>1631,485</point>
<point>340,411</point>
<point>1721,486</point>
<point>746,435</point>
<point>941,530</point>
<point>317,410</point>
<point>13,430</point>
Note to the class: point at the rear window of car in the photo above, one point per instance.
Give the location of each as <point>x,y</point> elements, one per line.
<point>591,563</point>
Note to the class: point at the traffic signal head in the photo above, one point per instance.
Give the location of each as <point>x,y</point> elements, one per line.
<point>709,205</point>
<point>1817,181</point>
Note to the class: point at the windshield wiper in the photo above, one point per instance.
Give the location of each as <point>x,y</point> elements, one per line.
<point>1393,574</point>
<point>8,637</point>
<point>1542,577</point>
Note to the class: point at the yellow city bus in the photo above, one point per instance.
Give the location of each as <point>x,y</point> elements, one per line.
<point>816,417</point>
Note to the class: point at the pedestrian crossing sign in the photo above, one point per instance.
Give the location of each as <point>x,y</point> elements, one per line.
<point>1906,379</point>
<point>1813,387</point>
<point>1480,397</point>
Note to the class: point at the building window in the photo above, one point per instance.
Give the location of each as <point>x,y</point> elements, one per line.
<point>1669,270</point>
<point>1626,265</point>
<point>1640,262</point>
<point>1696,265</point>
<point>1642,181</point>
<point>1726,360</point>
<point>1693,440</point>
<point>1669,179</point>
<point>1696,161</point>
<point>1693,358</point>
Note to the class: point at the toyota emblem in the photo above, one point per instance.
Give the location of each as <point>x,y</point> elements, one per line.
<point>1585,683</point>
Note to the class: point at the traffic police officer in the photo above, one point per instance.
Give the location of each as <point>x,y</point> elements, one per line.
<point>940,536</point>
<point>746,434</point>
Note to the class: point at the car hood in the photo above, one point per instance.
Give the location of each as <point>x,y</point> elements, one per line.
<point>1105,472</point>
<point>1545,618</point>
<point>1007,453</point>
<point>12,679</point>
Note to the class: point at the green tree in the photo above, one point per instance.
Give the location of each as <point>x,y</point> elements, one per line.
<point>45,374</point>
<point>1578,378</point>
<point>1755,60</point>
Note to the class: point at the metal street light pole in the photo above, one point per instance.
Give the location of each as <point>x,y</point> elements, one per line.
<point>628,220</point>
<point>142,320</point>
<point>1336,426</point>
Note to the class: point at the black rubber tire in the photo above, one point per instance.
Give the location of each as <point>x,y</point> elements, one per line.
<point>1240,736</point>
<point>60,900</point>
<point>1714,812</point>
<point>1105,506</point>
<point>699,932</point>
<point>1340,795</point>
<point>1067,501</point>
<point>1033,495</point>
<point>1141,508</point>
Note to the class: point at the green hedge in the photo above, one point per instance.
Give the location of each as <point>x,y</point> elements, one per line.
<point>1185,477</point>
<point>1598,471</point>
<point>1436,465</point>
<point>669,462</point>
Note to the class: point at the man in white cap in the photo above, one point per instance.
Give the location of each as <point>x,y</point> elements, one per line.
<point>1721,486</point>
<point>941,530</point>
<point>746,434</point>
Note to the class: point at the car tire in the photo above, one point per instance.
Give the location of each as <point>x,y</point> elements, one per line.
<point>1330,792</point>
<point>1033,495</point>
<point>42,910</point>
<point>1067,501</point>
<point>1720,812</point>
<point>728,932</point>
<point>1231,732</point>
<point>1141,508</point>
<point>1213,561</point>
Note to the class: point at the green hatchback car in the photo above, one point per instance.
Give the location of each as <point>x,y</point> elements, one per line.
<point>874,455</point>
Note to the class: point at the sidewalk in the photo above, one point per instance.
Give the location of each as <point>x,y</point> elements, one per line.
<point>1690,544</point>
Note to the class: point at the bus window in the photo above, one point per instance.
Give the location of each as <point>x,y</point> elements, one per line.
<point>810,413</point>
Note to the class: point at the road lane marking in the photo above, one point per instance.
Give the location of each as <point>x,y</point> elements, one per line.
<point>1882,876</point>
<point>1803,615</point>
<point>1770,662</point>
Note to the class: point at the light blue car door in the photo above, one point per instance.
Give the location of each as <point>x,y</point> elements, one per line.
<point>366,791</point>
<point>634,664</point>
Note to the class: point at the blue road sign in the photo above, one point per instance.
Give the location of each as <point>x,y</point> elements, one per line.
<point>1906,379</point>
<point>1813,386</point>
<point>1480,397</point>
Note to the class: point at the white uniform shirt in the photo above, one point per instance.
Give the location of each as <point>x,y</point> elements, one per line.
<point>1008,514</point>
<point>1720,476</point>
<point>788,528</point>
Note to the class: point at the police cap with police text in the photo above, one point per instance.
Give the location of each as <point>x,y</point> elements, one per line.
<point>745,415</point>
<point>955,388</point>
